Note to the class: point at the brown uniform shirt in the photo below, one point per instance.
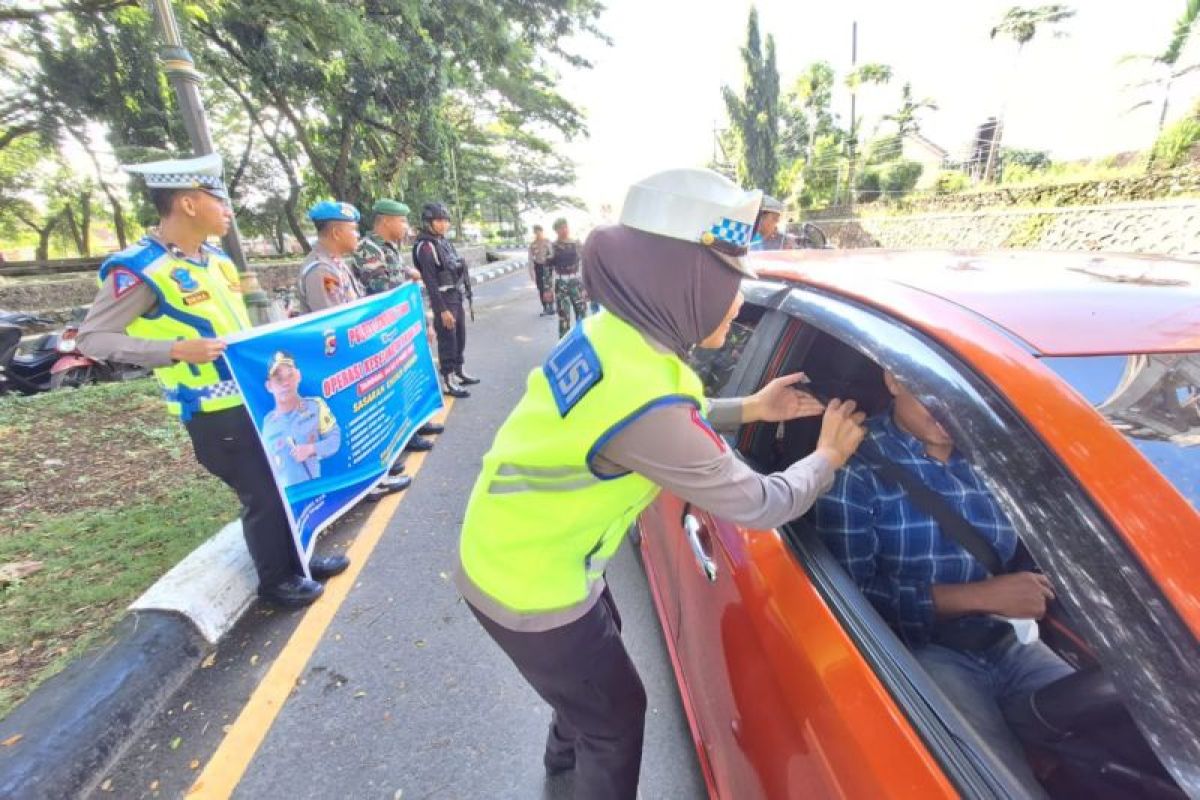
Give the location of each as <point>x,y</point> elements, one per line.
<point>328,282</point>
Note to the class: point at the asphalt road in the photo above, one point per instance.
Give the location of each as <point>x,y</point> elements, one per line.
<point>404,695</point>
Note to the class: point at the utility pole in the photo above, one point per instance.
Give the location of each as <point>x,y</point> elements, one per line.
<point>853,120</point>
<point>185,80</point>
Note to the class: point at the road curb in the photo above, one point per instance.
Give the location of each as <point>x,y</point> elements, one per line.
<point>497,269</point>
<point>74,726</point>
<point>80,721</point>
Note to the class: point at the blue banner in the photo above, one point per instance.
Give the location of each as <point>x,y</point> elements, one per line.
<point>335,397</point>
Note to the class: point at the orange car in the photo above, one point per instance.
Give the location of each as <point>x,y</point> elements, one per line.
<point>1072,383</point>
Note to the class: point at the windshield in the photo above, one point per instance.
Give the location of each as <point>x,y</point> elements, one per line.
<point>1153,400</point>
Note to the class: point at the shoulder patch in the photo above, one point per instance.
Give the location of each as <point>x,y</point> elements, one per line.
<point>325,420</point>
<point>124,282</point>
<point>135,258</point>
<point>573,369</point>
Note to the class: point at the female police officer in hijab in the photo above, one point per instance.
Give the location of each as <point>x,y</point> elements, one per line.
<point>613,415</point>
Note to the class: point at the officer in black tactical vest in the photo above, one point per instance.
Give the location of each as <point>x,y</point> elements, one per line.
<point>447,283</point>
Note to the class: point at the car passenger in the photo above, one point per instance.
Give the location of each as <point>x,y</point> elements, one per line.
<point>939,598</point>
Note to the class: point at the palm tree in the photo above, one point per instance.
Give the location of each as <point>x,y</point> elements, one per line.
<point>906,116</point>
<point>1021,25</point>
<point>1167,63</point>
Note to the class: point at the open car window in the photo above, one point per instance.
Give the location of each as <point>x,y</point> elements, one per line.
<point>1116,610</point>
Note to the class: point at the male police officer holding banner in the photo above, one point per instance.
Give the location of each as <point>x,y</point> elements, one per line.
<point>447,282</point>
<point>165,303</point>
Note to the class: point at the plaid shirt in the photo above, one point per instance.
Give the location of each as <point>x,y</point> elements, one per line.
<point>894,551</point>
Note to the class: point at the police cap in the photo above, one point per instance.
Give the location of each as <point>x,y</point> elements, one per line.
<point>202,173</point>
<point>282,358</point>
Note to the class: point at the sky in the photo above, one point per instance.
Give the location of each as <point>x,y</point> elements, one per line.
<point>654,97</point>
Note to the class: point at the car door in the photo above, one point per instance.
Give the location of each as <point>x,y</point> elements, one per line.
<point>786,697</point>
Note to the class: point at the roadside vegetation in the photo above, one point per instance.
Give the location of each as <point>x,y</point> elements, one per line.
<point>99,496</point>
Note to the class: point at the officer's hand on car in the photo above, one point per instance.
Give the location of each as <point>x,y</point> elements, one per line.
<point>778,401</point>
<point>197,351</point>
<point>448,320</point>
<point>841,431</point>
<point>1018,595</point>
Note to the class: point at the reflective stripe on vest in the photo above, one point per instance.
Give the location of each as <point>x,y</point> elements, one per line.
<point>193,300</point>
<point>541,524</point>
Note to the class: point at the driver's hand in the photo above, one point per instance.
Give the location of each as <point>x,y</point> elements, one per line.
<point>1019,595</point>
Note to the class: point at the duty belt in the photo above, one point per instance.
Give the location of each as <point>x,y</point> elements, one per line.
<point>189,399</point>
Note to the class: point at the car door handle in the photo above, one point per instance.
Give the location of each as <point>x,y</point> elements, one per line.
<point>692,527</point>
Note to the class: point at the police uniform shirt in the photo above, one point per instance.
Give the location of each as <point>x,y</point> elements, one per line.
<point>311,423</point>
<point>123,297</point>
<point>326,281</point>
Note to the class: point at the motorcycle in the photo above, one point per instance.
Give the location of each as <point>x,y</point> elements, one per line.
<point>52,360</point>
<point>73,369</point>
<point>25,369</point>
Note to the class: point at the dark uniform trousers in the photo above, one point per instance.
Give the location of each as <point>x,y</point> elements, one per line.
<point>584,672</point>
<point>227,445</point>
<point>451,343</point>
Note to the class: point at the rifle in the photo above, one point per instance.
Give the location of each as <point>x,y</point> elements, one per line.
<point>467,289</point>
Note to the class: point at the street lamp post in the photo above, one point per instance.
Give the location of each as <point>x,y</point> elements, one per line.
<point>185,79</point>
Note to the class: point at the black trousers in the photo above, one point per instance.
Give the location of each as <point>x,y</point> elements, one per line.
<point>584,672</point>
<point>451,343</point>
<point>227,445</point>
<point>543,275</point>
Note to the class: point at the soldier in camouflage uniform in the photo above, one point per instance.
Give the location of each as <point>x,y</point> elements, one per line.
<point>377,262</point>
<point>568,284</point>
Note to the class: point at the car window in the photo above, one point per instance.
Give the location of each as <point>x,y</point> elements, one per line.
<point>716,367</point>
<point>1153,400</point>
<point>1112,605</point>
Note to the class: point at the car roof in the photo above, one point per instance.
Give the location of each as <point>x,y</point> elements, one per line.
<point>1057,303</point>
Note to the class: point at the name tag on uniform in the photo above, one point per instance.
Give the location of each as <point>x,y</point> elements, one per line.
<point>572,369</point>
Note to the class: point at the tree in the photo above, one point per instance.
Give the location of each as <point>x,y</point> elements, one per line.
<point>805,115</point>
<point>866,73</point>
<point>1021,25</point>
<point>1166,64</point>
<point>755,114</point>
<point>906,118</point>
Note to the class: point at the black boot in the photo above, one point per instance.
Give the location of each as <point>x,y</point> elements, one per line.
<point>294,592</point>
<point>418,444</point>
<point>325,567</point>
<point>465,379</point>
<point>431,429</point>
<point>451,387</point>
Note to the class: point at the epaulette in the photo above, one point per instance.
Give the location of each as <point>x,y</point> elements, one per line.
<point>136,257</point>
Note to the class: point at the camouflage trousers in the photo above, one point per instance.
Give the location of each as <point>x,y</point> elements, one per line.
<point>568,294</point>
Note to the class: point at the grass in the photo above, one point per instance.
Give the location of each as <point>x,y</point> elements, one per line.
<point>99,485</point>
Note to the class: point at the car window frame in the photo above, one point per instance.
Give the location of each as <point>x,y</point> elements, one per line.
<point>1098,572</point>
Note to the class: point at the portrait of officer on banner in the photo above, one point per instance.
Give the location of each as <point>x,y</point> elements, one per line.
<point>299,431</point>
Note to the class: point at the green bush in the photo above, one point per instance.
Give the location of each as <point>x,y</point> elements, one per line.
<point>899,177</point>
<point>950,181</point>
<point>1174,145</point>
<point>869,185</point>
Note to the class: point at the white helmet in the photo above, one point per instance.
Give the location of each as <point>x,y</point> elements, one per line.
<point>696,205</point>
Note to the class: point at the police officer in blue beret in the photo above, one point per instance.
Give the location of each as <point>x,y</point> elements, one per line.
<point>326,280</point>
